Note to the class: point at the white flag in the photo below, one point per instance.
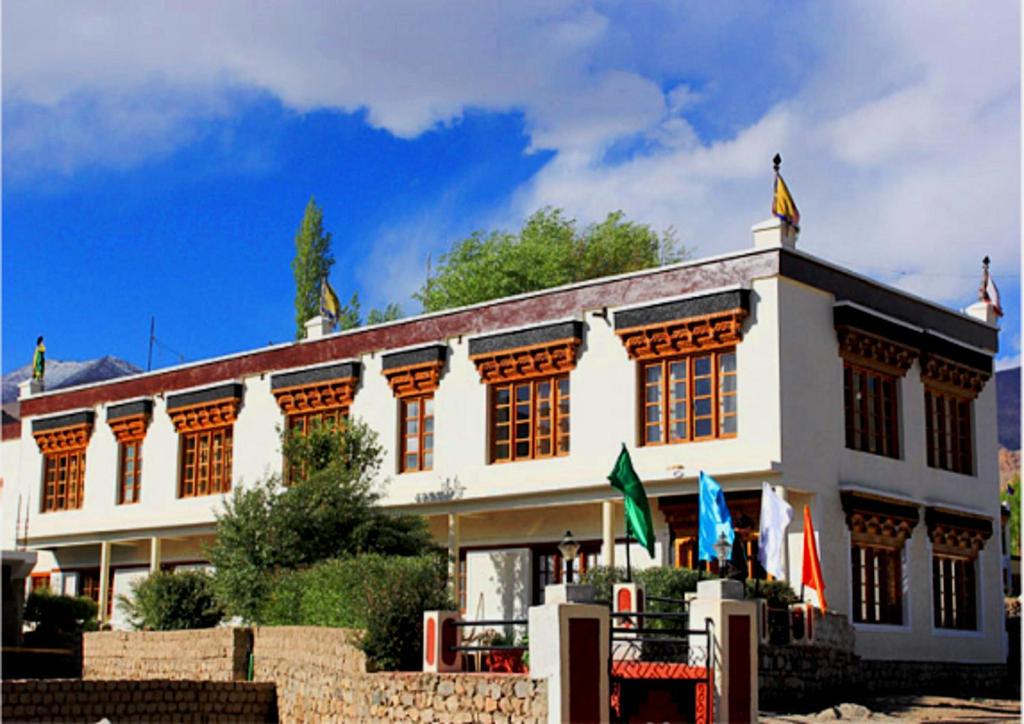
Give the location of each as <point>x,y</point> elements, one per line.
<point>776,514</point>
<point>992,292</point>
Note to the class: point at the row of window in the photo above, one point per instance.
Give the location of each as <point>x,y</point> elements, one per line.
<point>872,420</point>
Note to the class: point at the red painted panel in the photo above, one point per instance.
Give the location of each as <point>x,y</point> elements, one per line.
<point>449,640</point>
<point>625,600</point>
<point>585,664</point>
<point>737,668</point>
<point>431,640</point>
<point>657,284</point>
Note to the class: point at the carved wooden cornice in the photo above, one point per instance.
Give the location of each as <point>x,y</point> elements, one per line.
<point>416,379</point>
<point>949,376</point>
<point>957,534</point>
<point>694,334</point>
<point>205,415</point>
<point>875,520</point>
<point>129,428</point>
<point>508,365</point>
<point>63,439</point>
<point>317,396</point>
<point>879,353</point>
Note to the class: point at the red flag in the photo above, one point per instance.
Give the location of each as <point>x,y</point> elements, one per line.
<point>812,577</point>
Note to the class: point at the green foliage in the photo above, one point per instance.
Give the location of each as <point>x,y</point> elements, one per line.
<point>55,614</point>
<point>312,263</point>
<point>390,313</point>
<point>602,578</point>
<point>549,250</point>
<point>777,593</point>
<point>330,511</point>
<point>385,597</point>
<point>349,316</point>
<point>675,583</point>
<point>1011,497</point>
<point>173,601</point>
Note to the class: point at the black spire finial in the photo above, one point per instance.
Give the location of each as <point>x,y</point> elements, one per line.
<point>777,161</point>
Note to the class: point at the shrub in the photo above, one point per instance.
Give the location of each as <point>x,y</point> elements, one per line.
<point>385,596</point>
<point>677,582</point>
<point>602,578</point>
<point>173,601</point>
<point>778,593</point>
<point>56,615</point>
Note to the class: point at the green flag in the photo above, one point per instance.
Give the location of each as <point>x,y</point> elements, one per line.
<point>638,513</point>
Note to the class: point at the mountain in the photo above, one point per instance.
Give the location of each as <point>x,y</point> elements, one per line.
<point>65,374</point>
<point>1008,407</point>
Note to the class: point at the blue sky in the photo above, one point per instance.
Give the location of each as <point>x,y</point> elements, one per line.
<point>157,157</point>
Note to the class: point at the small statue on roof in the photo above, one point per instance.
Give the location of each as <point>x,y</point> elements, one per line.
<point>39,361</point>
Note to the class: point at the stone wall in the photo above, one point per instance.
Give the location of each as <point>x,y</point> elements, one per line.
<point>59,700</point>
<point>215,654</point>
<point>320,675</point>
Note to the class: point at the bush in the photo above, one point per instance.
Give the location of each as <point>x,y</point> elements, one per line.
<point>385,596</point>
<point>777,593</point>
<point>677,582</point>
<point>173,601</point>
<point>56,615</point>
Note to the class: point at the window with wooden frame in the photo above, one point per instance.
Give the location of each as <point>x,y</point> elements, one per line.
<point>879,528</point>
<point>128,422</point>
<point>89,586</point>
<point>689,398</point>
<point>205,424</point>
<point>948,431</point>
<point>530,419</point>
<point>872,411</point>
<point>957,539</point>
<point>130,472</point>
<point>62,442</point>
<point>39,582</point>
<point>549,566</point>
<point>681,513</point>
<point>417,432</point>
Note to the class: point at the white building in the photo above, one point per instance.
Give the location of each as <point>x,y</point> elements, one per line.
<point>502,421</point>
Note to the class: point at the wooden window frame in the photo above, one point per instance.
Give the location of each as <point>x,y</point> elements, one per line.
<point>667,401</point>
<point>194,481</point>
<point>949,431</point>
<point>954,592</point>
<point>876,582</point>
<point>67,491</point>
<point>559,402</point>
<point>424,438</point>
<point>132,481</point>
<point>874,419</point>
<point>553,572</point>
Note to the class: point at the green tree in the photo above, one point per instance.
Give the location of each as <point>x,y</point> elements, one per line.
<point>331,510</point>
<point>312,263</point>
<point>390,313</point>
<point>172,601</point>
<point>549,250</point>
<point>1011,496</point>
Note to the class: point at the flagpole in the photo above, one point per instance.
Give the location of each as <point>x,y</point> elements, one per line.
<point>629,566</point>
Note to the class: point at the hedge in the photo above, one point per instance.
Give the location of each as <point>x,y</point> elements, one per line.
<point>173,601</point>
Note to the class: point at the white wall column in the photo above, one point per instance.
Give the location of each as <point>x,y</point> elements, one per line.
<point>104,580</point>
<point>454,543</point>
<point>155,552</point>
<point>608,532</point>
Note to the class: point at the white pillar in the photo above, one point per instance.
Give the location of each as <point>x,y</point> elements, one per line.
<point>608,532</point>
<point>104,580</point>
<point>155,551</point>
<point>454,543</point>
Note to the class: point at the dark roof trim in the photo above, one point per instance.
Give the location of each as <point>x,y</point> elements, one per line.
<point>572,329</point>
<point>683,309</point>
<point>971,521</point>
<point>229,391</point>
<point>129,409</point>
<point>846,286</point>
<point>855,501</point>
<point>423,355</point>
<point>312,375</point>
<point>923,340</point>
<point>85,417</point>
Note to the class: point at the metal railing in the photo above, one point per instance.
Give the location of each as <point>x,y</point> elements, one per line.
<point>479,647</point>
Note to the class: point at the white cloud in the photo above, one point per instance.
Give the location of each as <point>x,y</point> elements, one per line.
<point>899,122</point>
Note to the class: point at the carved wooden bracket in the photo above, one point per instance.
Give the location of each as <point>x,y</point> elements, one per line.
<point>695,334</point>
<point>877,352</point>
<point>205,415</point>
<point>63,439</point>
<point>416,379</point>
<point>129,428</point>
<point>949,376</point>
<point>317,396</point>
<point>509,365</point>
<point>957,534</point>
<point>877,520</point>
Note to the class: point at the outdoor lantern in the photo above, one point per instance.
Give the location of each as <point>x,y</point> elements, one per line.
<point>722,548</point>
<point>568,548</point>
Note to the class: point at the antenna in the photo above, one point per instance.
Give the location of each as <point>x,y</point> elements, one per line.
<point>152,338</point>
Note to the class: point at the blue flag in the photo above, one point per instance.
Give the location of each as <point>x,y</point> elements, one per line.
<point>714,519</point>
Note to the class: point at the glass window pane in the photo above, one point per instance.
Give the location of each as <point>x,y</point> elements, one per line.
<point>653,373</point>
<point>544,427</point>
<point>428,425</point>
<point>679,390</point>
<point>523,412</point>
<point>563,387</point>
<point>522,449</point>
<point>679,411</point>
<point>412,427</point>
<point>522,393</point>
<point>729,404</point>
<point>501,414</point>
<point>544,409</point>
<point>522,430</point>
<point>428,459</point>
<point>501,433</point>
<point>729,426</point>
<point>702,407</point>
<point>501,395</point>
<point>412,444</point>
<point>653,433</point>
<point>428,406</point>
<point>563,426</point>
<point>412,409</point>
<point>703,428</point>
<point>544,389</point>
<point>729,383</point>
<point>702,365</point>
<point>545,446</point>
<point>679,431</point>
<point>678,370</point>
<point>653,393</point>
<point>411,461</point>
<point>428,442</point>
<point>563,407</point>
<point>727,362</point>
<point>501,451</point>
<point>653,413</point>
<point>702,387</point>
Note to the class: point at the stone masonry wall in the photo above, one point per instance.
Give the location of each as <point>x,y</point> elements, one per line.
<point>71,700</point>
<point>214,654</point>
<point>321,676</point>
